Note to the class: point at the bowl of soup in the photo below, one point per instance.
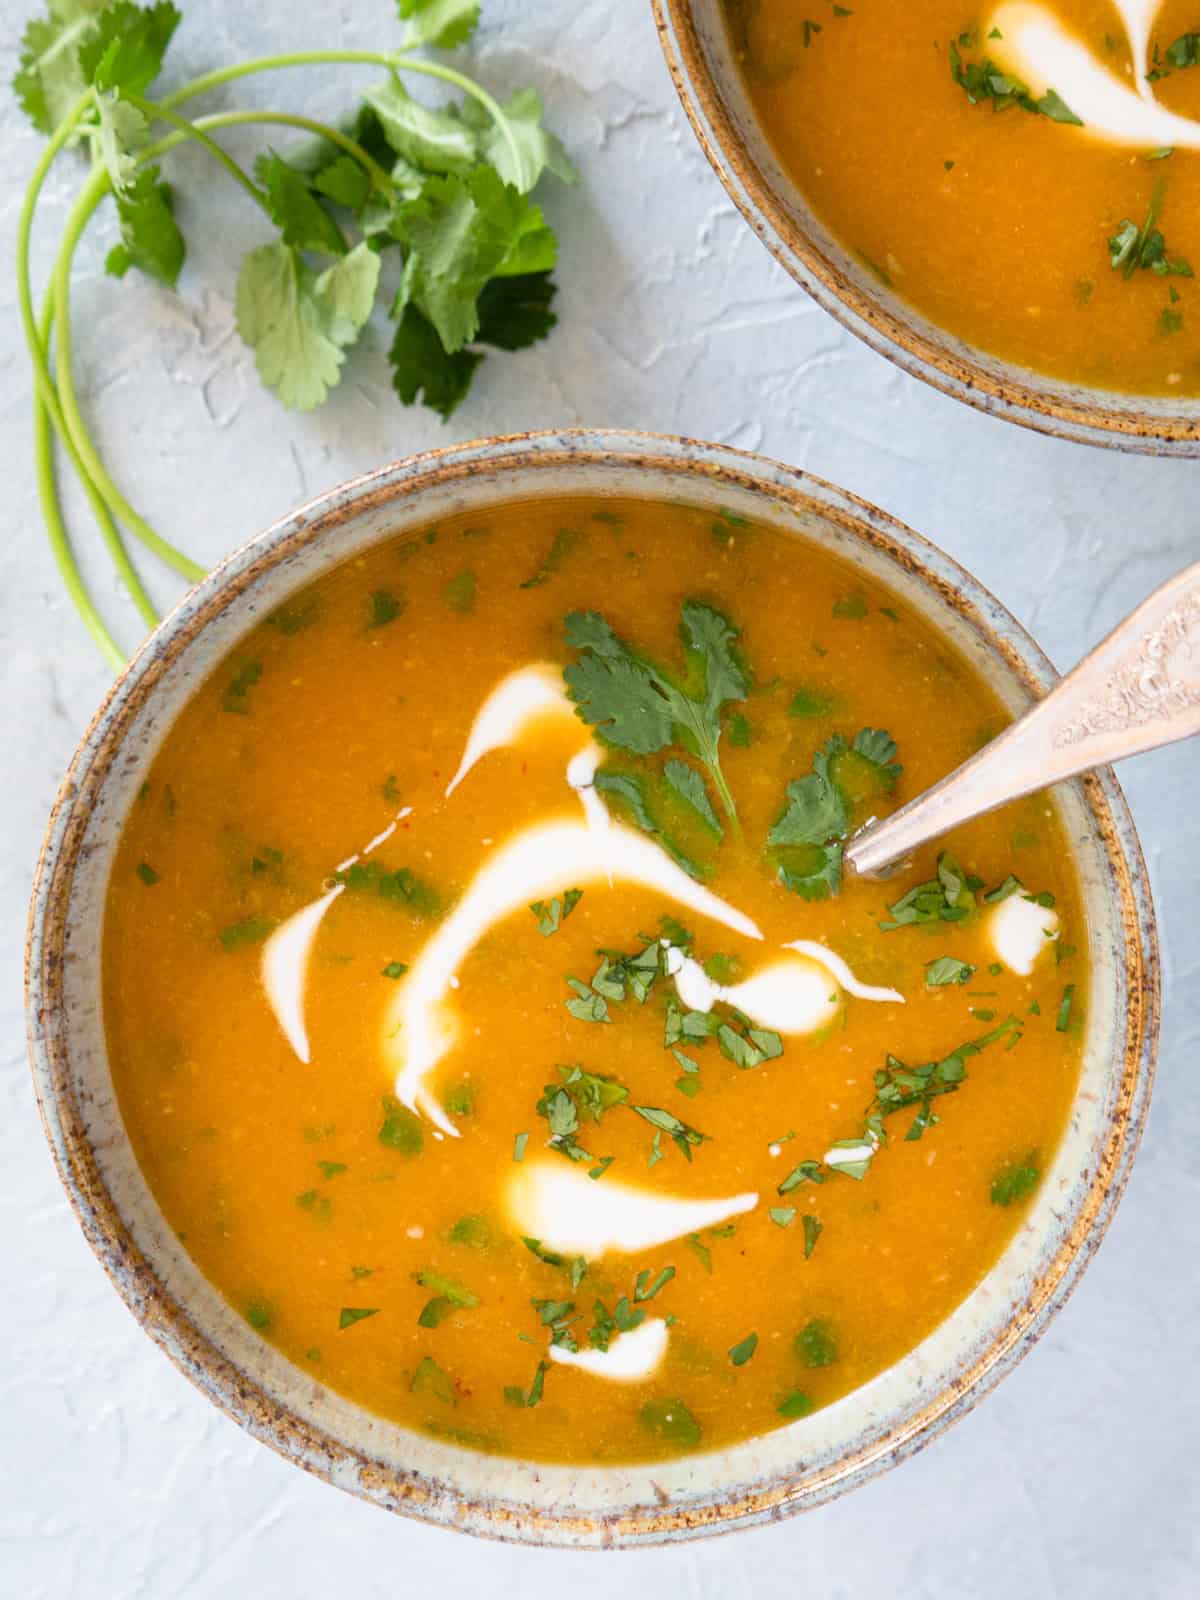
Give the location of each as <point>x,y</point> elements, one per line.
<point>464,1048</point>
<point>995,198</point>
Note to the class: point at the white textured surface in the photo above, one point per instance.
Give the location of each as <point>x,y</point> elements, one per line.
<point>1080,1477</point>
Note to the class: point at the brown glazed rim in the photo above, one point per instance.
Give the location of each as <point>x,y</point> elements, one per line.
<point>985,382</point>
<point>168,1322</point>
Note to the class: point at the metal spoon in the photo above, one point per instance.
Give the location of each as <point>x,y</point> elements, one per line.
<point>1136,691</point>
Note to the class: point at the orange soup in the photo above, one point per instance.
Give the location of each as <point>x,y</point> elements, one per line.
<point>496,1026</point>
<point>942,143</point>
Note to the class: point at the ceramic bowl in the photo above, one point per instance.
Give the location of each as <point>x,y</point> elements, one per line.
<point>700,55</point>
<point>788,1470</point>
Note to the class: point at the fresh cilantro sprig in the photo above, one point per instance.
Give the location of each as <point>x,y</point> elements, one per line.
<point>446,189</point>
<point>636,705</point>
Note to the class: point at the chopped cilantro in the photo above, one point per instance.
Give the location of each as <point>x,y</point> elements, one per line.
<point>236,697</point>
<point>401,1128</point>
<point>519,1143</point>
<point>1063,1021</point>
<point>533,1396</point>
<point>147,874</point>
<point>474,1232</point>
<point>796,1404</point>
<point>646,1288</point>
<point>982,81</point>
<point>949,897</point>
<point>816,1345</point>
<point>383,607</point>
<point>400,885</point>
<point>459,592</point>
<point>703,1253</point>
<point>1016,1181</point>
<point>430,1379</point>
<point>947,970</point>
<point>395,969</point>
<point>565,541</point>
<point>251,930</point>
<point>552,913</point>
<point>782,1216</point>
<point>741,1352</point>
<point>349,1315</point>
<point>671,1423</point>
<point>259,1314</point>
<point>1132,248</point>
<point>805,1172</point>
<point>681,1134</point>
<point>332,1169</point>
<point>813,1228</point>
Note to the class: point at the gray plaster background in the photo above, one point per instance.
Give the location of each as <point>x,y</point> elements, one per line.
<point>1080,1477</point>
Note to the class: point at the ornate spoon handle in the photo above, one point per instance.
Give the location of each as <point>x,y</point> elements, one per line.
<point>1137,690</point>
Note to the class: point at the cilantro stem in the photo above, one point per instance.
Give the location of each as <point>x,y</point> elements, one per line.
<point>60,542</point>
<point>286,119</point>
<point>192,130</point>
<point>395,62</point>
<point>48,415</point>
<point>434,69</point>
<point>75,427</point>
<point>299,58</point>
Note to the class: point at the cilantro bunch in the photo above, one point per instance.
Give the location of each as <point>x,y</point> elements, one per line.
<point>446,190</point>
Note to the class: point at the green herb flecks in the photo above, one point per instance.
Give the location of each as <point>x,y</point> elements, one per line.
<point>551,914</point>
<point>400,886</point>
<point>565,541</point>
<point>816,1344</point>
<point>349,1315</point>
<point>1132,249</point>
<point>671,1423</point>
<point>950,897</point>
<point>741,1352</point>
<point>685,1138</point>
<point>984,83</point>
<point>449,1296</point>
<point>947,970</point>
<point>532,1396</point>
<point>1016,1181</point>
<point>401,1128</point>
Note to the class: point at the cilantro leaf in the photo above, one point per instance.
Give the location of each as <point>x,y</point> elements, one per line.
<point>947,970</point>
<point>1016,1181</point>
<point>119,129</point>
<point>298,324</point>
<point>636,706</point>
<point>150,236</point>
<point>440,24</point>
<point>536,151</point>
<point>456,233</point>
<point>949,897</point>
<point>805,841</point>
<point>514,312</point>
<point>125,50</point>
<point>689,786</point>
<point>630,791</point>
<point>49,79</point>
<point>344,181</point>
<point>434,140</point>
<point>302,219</point>
<point>422,368</point>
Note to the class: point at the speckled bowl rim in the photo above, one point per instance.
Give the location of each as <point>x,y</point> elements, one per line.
<point>741,155</point>
<point>665,1515</point>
